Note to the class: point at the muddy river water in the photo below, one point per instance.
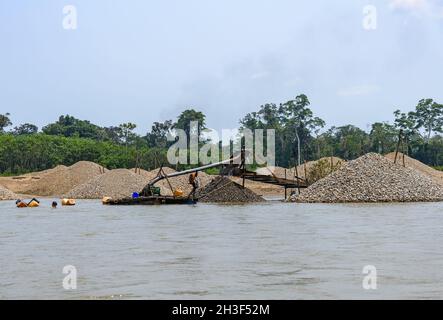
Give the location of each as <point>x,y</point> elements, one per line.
<point>266,251</point>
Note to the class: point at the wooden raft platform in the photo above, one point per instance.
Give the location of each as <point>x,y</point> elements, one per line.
<point>270,179</point>
<point>152,200</point>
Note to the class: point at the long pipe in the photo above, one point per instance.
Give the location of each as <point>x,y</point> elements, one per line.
<point>180,173</point>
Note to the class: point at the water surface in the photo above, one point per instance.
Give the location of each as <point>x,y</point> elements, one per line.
<point>271,250</point>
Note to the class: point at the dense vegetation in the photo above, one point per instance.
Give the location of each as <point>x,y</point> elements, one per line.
<point>300,136</point>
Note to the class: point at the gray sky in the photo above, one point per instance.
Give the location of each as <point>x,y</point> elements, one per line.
<point>145,61</point>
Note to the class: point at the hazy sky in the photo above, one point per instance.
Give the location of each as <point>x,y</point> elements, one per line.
<point>145,61</point>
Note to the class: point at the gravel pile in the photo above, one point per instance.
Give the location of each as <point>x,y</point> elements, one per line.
<point>372,178</point>
<point>6,194</point>
<point>61,179</point>
<point>436,175</point>
<point>118,183</point>
<point>222,189</point>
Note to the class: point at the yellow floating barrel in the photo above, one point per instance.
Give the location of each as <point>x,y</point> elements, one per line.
<point>33,203</point>
<point>178,192</point>
<point>21,204</point>
<point>106,200</point>
<point>68,202</point>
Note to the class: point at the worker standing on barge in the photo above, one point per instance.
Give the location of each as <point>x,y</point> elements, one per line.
<point>193,180</point>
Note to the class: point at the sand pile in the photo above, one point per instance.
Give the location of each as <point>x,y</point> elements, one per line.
<point>372,178</point>
<point>118,183</point>
<point>60,180</point>
<point>6,194</point>
<point>303,170</point>
<point>276,171</point>
<point>21,184</point>
<point>222,189</point>
<point>166,170</point>
<point>153,172</point>
<point>436,175</point>
<point>38,174</point>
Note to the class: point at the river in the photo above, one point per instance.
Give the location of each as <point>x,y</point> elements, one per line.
<point>273,250</point>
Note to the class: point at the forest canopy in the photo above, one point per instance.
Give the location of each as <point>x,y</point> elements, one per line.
<point>300,136</point>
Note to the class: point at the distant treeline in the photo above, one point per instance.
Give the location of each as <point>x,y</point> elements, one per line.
<point>300,136</point>
<point>29,153</point>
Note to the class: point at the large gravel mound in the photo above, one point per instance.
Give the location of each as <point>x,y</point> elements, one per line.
<point>6,194</point>
<point>118,183</point>
<point>61,180</point>
<point>222,189</point>
<point>372,178</point>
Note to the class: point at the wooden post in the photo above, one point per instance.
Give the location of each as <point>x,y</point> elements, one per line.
<point>169,183</point>
<point>243,164</point>
<point>298,181</point>
<point>404,144</point>
<point>400,134</point>
<point>285,187</point>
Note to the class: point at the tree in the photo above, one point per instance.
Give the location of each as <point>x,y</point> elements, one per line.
<point>429,116</point>
<point>112,134</point>
<point>25,128</point>
<point>126,133</point>
<point>184,123</point>
<point>4,121</point>
<point>69,126</point>
<point>383,137</point>
<point>298,116</point>
<point>158,137</point>
<point>294,124</point>
<point>407,123</point>
<point>349,141</point>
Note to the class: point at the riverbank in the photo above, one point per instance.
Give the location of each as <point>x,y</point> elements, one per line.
<point>94,182</point>
<point>371,178</point>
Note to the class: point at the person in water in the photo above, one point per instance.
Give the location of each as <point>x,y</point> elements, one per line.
<point>54,204</point>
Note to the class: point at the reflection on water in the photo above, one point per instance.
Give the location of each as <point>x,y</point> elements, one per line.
<point>266,251</point>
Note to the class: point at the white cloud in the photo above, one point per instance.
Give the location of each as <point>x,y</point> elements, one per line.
<point>430,8</point>
<point>361,90</point>
<point>409,4</point>
<point>259,75</point>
